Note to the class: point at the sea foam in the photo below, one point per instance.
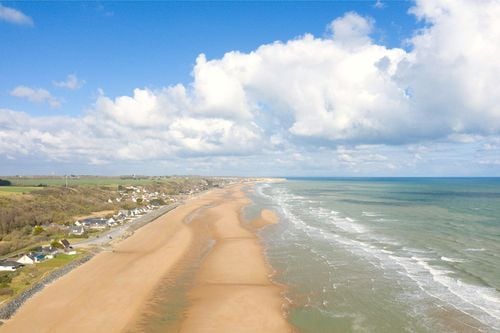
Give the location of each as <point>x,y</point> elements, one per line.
<point>479,302</point>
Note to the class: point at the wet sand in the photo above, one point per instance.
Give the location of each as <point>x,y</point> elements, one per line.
<point>232,292</point>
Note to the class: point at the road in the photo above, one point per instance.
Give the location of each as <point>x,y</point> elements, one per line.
<point>119,232</point>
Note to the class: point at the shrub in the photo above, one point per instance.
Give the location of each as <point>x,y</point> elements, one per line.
<point>157,202</point>
<point>56,244</point>
<point>37,230</point>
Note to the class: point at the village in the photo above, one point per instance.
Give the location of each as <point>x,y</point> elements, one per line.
<point>81,229</point>
<point>61,247</point>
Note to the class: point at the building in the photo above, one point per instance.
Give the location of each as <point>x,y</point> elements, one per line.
<point>49,252</point>
<point>94,223</point>
<point>112,222</point>
<point>30,259</point>
<point>26,259</point>
<point>68,249</point>
<point>122,214</point>
<point>65,243</point>
<point>9,266</point>
<point>77,230</point>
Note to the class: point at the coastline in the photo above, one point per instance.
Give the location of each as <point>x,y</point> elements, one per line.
<point>111,292</point>
<point>93,247</point>
<point>233,291</point>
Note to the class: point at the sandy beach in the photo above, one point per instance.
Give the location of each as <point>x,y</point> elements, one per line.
<point>232,293</point>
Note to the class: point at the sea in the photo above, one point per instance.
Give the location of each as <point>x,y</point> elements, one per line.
<point>385,254</point>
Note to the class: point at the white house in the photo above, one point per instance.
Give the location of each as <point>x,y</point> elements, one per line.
<point>9,266</point>
<point>123,212</point>
<point>94,223</point>
<point>77,230</point>
<point>49,252</point>
<point>137,211</point>
<point>27,259</point>
<point>112,222</point>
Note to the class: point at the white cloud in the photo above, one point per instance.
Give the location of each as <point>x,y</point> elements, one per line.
<point>453,71</point>
<point>143,109</point>
<point>213,136</point>
<point>340,101</point>
<point>36,95</point>
<point>219,85</point>
<point>329,92</point>
<point>379,4</point>
<point>349,89</point>
<point>333,89</point>
<point>149,125</point>
<point>72,82</point>
<point>14,16</point>
<point>351,30</point>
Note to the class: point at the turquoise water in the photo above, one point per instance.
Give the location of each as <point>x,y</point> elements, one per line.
<point>387,255</point>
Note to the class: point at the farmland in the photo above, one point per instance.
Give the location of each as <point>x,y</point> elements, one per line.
<point>21,181</point>
<point>16,190</point>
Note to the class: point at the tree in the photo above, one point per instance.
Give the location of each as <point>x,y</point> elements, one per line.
<point>5,182</point>
<point>157,202</point>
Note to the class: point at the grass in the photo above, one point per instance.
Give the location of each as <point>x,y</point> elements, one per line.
<point>72,239</point>
<point>17,190</point>
<point>59,181</point>
<point>28,275</point>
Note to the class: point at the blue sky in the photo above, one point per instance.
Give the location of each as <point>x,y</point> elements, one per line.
<point>118,46</point>
<point>76,77</point>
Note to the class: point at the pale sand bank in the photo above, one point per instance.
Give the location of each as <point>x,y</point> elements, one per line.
<point>232,293</point>
<point>266,217</point>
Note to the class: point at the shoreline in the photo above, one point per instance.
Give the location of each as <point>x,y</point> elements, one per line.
<point>112,291</point>
<point>234,291</point>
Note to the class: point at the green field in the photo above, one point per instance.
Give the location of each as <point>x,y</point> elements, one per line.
<point>13,190</point>
<point>59,181</point>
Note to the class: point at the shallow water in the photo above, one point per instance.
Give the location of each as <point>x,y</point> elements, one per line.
<point>387,255</point>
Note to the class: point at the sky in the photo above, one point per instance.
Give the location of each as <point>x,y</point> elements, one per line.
<point>289,88</point>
